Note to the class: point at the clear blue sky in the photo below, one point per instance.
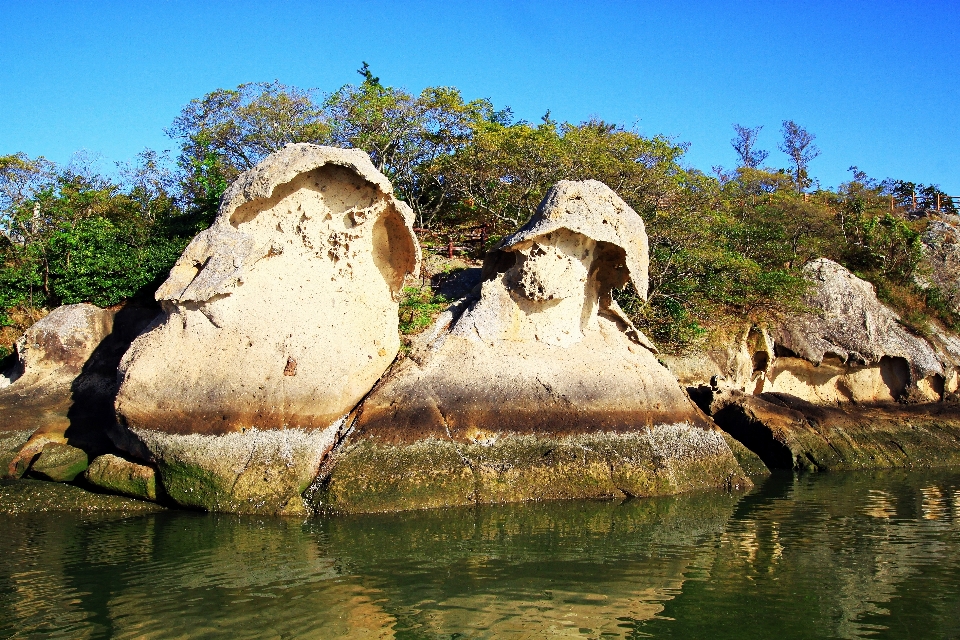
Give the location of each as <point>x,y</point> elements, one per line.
<point>877,82</point>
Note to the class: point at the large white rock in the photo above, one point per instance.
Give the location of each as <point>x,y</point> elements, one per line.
<point>281,316</point>
<point>540,387</point>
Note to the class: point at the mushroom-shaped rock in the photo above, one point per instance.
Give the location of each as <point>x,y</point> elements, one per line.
<point>537,388</point>
<point>281,316</point>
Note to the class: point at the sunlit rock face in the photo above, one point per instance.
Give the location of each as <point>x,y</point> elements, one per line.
<point>278,319</point>
<point>37,391</point>
<point>538,386</point>
<point>846,347</point>
<point>851,348</point>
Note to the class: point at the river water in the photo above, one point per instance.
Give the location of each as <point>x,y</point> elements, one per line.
<point>815,556</point>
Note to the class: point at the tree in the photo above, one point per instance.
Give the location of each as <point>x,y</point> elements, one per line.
<point>745,146</point>
<point>20,178</point>
<point>406,135</point>
<point>798,144</point>
<point>229,131</point>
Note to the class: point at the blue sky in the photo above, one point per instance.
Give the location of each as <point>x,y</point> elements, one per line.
<point>877,82</point>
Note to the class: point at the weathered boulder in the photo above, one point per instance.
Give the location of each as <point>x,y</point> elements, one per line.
<point>59,462</point>
<point>537,388</point>
<point>941,243</point>
<point>850,347</point>
<point>38,394</point>
<point>787,432</point>
<point>734,358</point>
<point>277,320</point>
<point>117,475</point>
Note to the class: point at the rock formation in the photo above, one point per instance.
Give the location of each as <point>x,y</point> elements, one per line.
<point>827,388</point>
<point>787,432</point>
<point>848,347</point>
<point>277,320</point>
<point>538,386</point>
<point>37,392</point>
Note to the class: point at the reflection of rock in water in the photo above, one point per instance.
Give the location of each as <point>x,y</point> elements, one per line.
<point>532,570</point>
<point>830,556</point>
<point>827,558</point>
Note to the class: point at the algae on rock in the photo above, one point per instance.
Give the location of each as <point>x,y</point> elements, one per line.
<point>277,320</point>
<point>537,388</point>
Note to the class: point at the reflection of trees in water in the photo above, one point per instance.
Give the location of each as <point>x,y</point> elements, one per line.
<point>835,555</point>
<point>826,556</point>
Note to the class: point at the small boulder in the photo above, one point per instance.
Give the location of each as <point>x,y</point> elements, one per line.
<point>121,476</point>
<point>59,462</point>
<point>50,358</point>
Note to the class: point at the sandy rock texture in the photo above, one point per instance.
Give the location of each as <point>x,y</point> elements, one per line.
<point>539,387</point>
<point>278,318</point>
<point>38,389</point>
<point>849,348</point>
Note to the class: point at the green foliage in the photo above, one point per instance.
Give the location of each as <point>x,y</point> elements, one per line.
<point>104,263</point>
<point>723,249</point>
<point>418,308</point>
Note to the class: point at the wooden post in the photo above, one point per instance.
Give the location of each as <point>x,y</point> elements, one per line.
<point>450,247</point>
<point>891,204</point>
<point>914,201</point>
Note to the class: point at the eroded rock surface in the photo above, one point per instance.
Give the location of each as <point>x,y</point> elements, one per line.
<point>849,348</point>
<point>277,320</point>
<point>537,388</point>
<point>38,391</point>
<point>789,433</point>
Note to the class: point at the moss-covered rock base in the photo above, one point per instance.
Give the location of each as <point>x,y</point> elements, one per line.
<point>789,433</point>
<point>59,462</point>
<point>37,496</point>
<point>370,475</point>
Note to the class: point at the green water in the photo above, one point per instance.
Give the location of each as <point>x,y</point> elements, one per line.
<point>830,555</point>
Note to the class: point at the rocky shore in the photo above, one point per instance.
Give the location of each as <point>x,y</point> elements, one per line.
<point>270,378</point>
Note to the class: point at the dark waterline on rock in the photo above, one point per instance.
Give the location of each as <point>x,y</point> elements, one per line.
<point>824,555</point>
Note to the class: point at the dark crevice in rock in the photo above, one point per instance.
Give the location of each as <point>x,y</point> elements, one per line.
<point>754,436</point>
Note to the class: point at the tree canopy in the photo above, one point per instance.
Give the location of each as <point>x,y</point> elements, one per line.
<point>723,248</point>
